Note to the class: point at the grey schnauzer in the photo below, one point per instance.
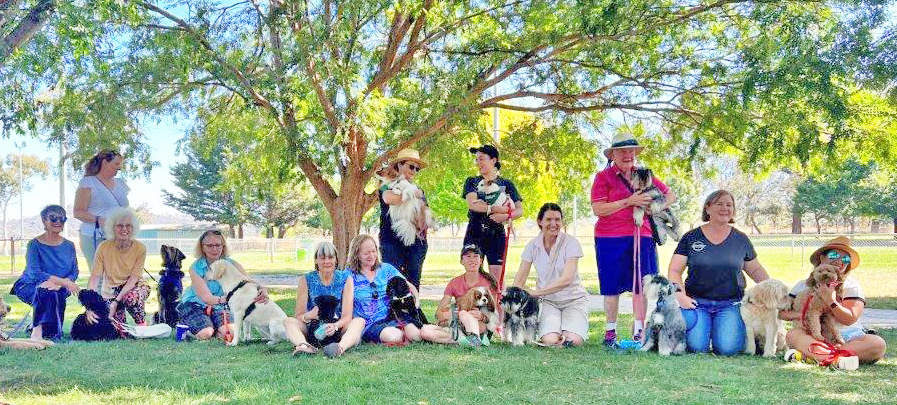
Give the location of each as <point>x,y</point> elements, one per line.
<point>665,326</point>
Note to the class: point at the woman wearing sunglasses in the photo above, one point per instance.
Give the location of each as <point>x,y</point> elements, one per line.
<point>717,256</point>
<point>202,306</point>
<point>408,259</point>
<point>846,309</point>
<point>51,268</point>
<point>99,192</point>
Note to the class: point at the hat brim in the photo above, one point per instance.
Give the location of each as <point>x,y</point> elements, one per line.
<point>638,149</point>
<point>419,162</point>
<point>816,257</point>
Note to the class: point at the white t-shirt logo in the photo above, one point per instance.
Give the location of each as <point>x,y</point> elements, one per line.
<point>698,246</point>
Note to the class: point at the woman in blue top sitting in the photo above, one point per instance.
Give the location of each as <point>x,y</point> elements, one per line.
<point>370,278</point>
<point>325,280</point>
<point>204,294</point>
<point>51,268</point>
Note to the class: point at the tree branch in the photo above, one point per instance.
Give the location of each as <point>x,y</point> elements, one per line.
<point>30,25</point>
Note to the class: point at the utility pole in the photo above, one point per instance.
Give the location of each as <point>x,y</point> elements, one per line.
<point>21,192</point>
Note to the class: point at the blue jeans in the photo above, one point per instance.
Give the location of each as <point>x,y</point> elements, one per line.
<point>408,259</point>
<point>716,321</point>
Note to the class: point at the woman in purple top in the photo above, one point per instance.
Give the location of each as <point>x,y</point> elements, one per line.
<point>50,272</point>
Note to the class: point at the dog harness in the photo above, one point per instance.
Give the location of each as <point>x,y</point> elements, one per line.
<point>230,294</point>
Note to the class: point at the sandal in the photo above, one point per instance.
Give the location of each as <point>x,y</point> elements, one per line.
<point>304,348</point>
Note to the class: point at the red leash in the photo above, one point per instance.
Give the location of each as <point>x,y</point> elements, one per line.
<point>504,259</point>
<point>228,336</point>
<point>834,352</point>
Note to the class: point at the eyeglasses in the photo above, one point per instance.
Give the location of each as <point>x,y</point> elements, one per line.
<point>54,218</point>
<point>124,226</point>
<point>213,245</point>
<point>833,255</point>
<point>413,167</point>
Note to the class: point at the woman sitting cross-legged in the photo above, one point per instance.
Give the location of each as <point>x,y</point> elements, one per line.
<point>325,280</point>
<point>202,306</point>
<point>51,269</point>
<point>564,318</point>
<point>472,322</point>
<point>369,278</point>
<point>119,262</point>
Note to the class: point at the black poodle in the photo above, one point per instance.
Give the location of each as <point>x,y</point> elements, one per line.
<point>103,329</point>
<point>401,303</point>
<point>328,312</point>
<point>170,286</point>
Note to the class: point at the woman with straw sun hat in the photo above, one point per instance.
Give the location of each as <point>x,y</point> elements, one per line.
<point>409,259</point>
<point>615,245</point>
<point>846,309</point>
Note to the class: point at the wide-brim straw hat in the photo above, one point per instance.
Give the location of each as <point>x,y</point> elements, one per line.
<point>840,243</point>
<point>408,155</point>
<point>623,141</point>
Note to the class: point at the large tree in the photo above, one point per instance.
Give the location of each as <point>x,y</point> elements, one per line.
<point>348,84</point>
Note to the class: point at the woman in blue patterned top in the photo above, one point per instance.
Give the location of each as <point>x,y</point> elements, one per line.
<point>325,280</point>
<point>51,269</point>
<point>370,277</point>
<point>203,294</point>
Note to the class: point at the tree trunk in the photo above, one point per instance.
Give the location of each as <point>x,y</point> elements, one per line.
<point>281,231</point>
<point>852,223</point>
<point>26,29</point>
<point>874,226</point>
<point>239,231</point>
<point>796,223</point>
<point>895,225</point>
<point>818,228</point>
<point>347,210</point>
<point>230,230</point>
<point>754,224</point>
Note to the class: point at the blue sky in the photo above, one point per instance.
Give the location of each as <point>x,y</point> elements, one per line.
<point>162,139</point>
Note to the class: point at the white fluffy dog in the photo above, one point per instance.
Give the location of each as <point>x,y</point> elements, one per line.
<point>760,312</point>
<point>241,292</point>
<point>412,217</point>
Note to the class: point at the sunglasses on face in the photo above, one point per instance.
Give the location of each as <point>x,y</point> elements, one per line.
<point>413,167</point>
<point>59,219</point>
<point>833,255</point>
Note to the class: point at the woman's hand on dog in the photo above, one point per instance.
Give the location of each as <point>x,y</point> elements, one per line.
<point>263,295</point>
<point>91,317</point>
<point>639,199</point>
<point>685,301</point>
<point>310,315</point>
<point>477,314</point>
<point>499,217</point>
<point>49,285</point>
<point>330,329</point>
<point>113,306</point>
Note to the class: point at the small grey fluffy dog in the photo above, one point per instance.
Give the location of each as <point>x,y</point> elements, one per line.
<point>665,326</point>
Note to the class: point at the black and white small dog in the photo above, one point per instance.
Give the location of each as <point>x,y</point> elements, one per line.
<point>402,305</point>
<point>663,222</point>
<point>103,329</point>
<point>521,323</point>
<point>664,326</point>
<point>328,312</point>
<point>170,285</point>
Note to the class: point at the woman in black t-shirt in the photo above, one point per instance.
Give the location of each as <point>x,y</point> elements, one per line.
<point>716,254</point>
<point>485,226</point>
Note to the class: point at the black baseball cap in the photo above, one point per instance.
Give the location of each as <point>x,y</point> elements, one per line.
<point>488,150</point>
<point>471,248</point>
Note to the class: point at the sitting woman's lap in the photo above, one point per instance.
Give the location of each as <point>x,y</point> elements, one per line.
<point>194,316</point>
<point>715,324</point>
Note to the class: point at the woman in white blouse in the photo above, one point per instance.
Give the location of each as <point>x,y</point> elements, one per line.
<point>564,320</point>
<point>98,194</point>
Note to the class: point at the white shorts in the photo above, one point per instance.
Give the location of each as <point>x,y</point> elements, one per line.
<point>569,315</point>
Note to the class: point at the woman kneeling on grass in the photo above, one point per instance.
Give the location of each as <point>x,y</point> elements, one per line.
<point>202,306</point>
<point>846,309</point>
<point>472,322</point>
<point>120,262</point>
<point>564,318</point>
<point>325,280</point>
<point>369,278</point>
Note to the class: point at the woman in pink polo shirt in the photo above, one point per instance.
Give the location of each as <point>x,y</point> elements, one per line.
<point>612,203</point>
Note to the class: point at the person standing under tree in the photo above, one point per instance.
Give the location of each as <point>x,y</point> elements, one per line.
<point>485,226</point>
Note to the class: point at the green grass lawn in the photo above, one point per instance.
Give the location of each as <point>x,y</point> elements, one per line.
<point>167,372</point>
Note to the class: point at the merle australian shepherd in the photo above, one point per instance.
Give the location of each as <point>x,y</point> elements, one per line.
<point>170,286</point>
<point>402,306</point>
<point>328,312</point>
<point>103,329</point>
